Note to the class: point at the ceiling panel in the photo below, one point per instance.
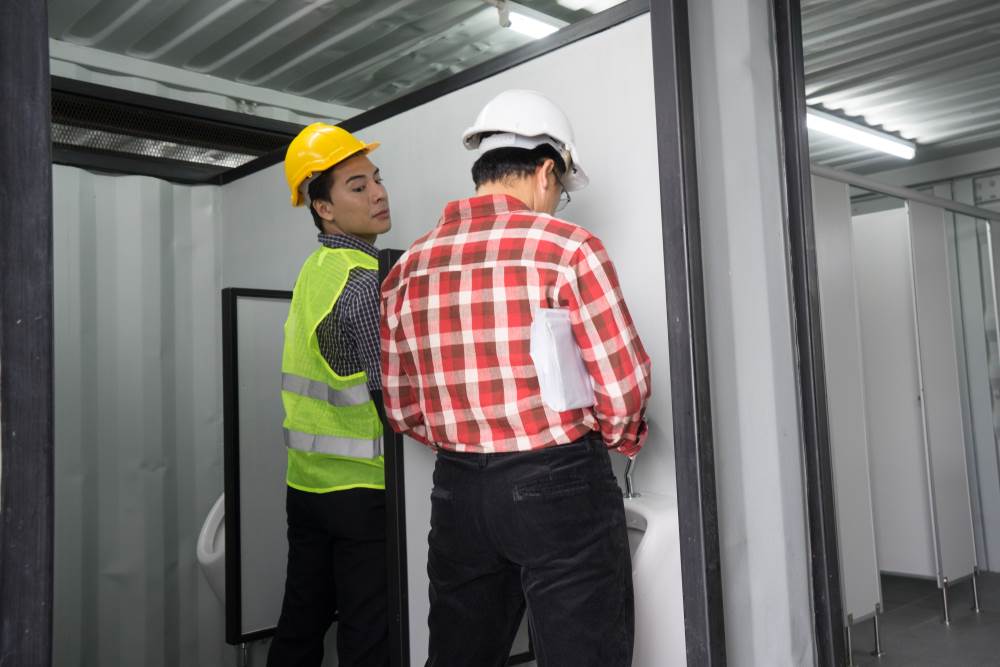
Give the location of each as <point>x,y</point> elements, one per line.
<point>928,70</point>
<point>357,53</point>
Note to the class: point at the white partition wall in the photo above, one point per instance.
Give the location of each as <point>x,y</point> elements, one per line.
<point>895,426</point>
<point>942,409</point>
<point>845,396</point>
<point>919,482</point>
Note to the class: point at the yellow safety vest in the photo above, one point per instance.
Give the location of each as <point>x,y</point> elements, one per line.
<point>332,430</point>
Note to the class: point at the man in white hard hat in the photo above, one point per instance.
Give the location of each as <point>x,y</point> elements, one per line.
<point>330,388</point>
<point>525,509</point>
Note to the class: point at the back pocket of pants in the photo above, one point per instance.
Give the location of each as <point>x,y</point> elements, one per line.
<point>550,488</point>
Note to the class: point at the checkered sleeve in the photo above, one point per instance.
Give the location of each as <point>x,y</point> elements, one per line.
<point>612,352</point>
<point>402,405</point>
<point>359,309</point>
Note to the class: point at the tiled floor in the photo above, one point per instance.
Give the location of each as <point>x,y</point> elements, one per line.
<point>914,636</point>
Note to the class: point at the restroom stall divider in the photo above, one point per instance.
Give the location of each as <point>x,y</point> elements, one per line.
<point>26,338</point>
<point>976,330</point>
<point>940,396</point>
<point>905,286</point>
<point>919,477</point>
<point>845,395</point>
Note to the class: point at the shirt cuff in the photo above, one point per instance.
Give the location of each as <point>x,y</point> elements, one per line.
<point>630,448</point>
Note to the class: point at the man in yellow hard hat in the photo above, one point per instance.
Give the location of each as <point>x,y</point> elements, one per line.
<point>331,385</point>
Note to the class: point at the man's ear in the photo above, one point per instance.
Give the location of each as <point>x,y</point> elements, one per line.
<point>323,208</point>
<point>547,167</point>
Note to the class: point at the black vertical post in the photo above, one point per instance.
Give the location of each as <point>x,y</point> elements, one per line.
<point>395,517</point>
<point>687,337</point>
<point>26,430</point>
<point>827,605</point>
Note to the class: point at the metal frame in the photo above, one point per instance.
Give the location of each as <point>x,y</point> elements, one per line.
<point>690,397</point>
<point>827,605</point>
<point>394,489</point>
<point>130,98</point>
<point>231,454</point>
<point>395,517</point>
<point>903,193</point>
<point>395,523</point>
<point>26,338</point>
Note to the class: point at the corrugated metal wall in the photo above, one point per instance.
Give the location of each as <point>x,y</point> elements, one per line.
<point>138,419</point>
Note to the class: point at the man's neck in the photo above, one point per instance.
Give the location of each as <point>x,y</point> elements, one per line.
<point>516,190</point>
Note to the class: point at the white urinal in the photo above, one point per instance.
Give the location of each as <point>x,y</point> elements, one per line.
<point>212,548</point>
<point>656,575</point>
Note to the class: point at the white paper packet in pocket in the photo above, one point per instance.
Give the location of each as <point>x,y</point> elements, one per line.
<point>562,377</point>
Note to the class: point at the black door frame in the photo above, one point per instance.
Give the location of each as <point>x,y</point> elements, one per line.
<point>827,603</point>
<point>26,338</point>
<point>30,282</point>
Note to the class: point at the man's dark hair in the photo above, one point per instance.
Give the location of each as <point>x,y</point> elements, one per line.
<point>319,188</point>
<point>500,164</point>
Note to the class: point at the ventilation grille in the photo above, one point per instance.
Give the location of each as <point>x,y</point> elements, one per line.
<point>121,132</point>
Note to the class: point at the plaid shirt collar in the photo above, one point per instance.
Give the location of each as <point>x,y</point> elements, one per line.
<point>483,206</point>
<point>348,241</point>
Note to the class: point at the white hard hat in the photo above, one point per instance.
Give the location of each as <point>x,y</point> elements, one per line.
<point>526,119</point>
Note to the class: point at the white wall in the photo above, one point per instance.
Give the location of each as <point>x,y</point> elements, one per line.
<point>762,524</point>
<point>138,419</point>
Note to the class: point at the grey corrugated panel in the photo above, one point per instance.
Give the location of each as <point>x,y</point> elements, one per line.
<point>138,425</point>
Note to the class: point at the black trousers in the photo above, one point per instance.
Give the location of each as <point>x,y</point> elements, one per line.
<point>336,564</point>
<point>543,530</point>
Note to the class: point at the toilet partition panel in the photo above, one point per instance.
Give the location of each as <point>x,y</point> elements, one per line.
<point>923,520</point>
<point>941,404</point>
<point>845,397</point>
<point>900,489</point>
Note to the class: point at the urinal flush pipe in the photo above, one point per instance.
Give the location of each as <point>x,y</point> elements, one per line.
<point>630,492</point>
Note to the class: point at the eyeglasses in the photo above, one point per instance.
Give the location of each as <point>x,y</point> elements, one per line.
<point>564,198</point>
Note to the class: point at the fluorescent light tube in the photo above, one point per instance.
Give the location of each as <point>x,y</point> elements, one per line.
<point>859,134</point>
<point>530,26</point>
<point>593,6</point>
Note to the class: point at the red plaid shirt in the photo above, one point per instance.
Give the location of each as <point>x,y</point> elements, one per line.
<point>456,320</point>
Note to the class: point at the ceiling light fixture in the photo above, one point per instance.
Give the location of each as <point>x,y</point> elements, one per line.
<point>857,133</point>
<point>529,26</point>
<point>592,6</point>
<point>525,20</point>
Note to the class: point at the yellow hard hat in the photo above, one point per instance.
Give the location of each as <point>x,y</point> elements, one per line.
<point>317,148</point>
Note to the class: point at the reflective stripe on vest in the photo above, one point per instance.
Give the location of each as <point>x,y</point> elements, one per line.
<point>356,395</point>
<point>330,444</point>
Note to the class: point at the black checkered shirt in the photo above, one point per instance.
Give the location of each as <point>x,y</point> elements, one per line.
<point>348,336</point>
